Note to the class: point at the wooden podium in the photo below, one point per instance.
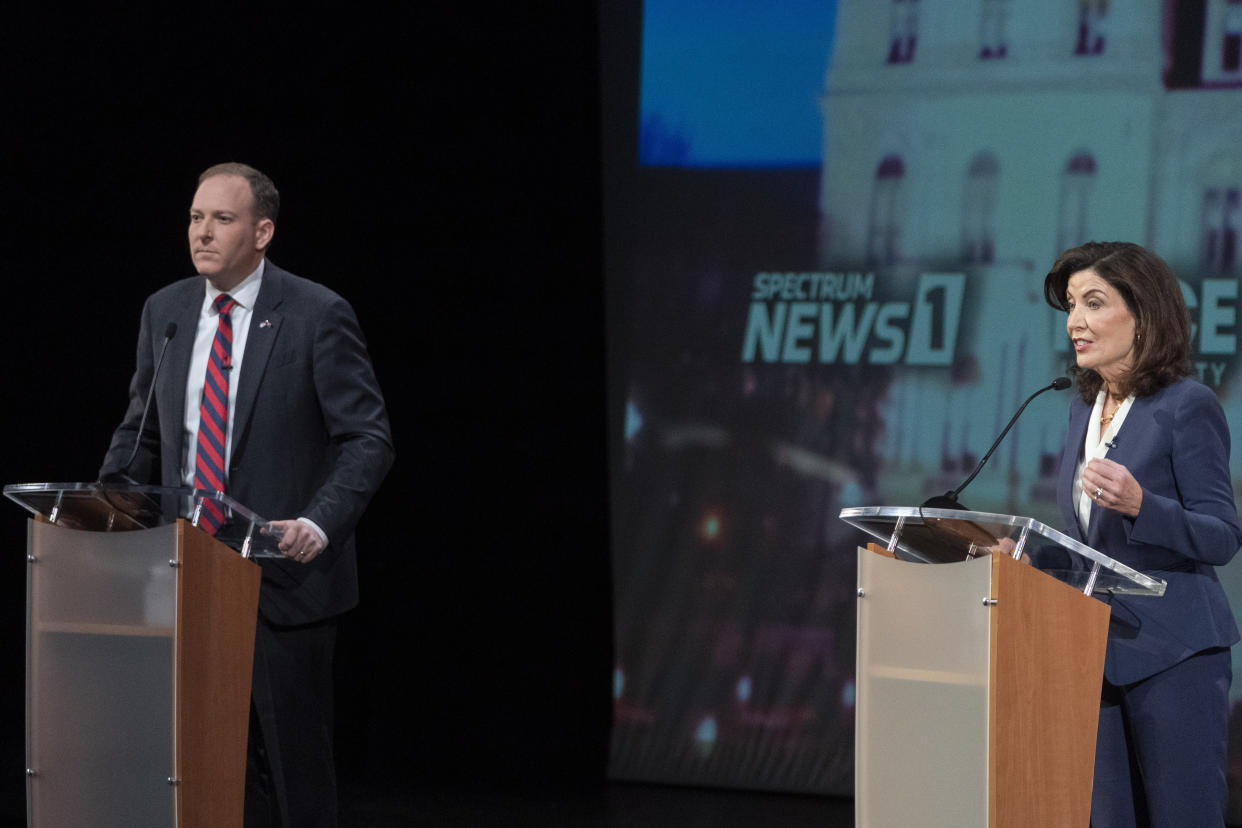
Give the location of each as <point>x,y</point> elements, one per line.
<point>140,646</point>
<point>978,678</point>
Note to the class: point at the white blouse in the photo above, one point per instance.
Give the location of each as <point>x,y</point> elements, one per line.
<point>1096,446</point>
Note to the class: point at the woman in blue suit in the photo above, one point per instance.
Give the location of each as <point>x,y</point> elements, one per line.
<point>1144,478</point>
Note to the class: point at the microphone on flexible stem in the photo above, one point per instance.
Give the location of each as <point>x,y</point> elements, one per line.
<point>948,500</point>
<point>122,476</point>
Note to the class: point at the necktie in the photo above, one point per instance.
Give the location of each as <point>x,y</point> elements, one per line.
<point>213,418</point>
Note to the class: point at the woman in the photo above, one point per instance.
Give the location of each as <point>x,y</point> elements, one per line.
<point>1145,479</point>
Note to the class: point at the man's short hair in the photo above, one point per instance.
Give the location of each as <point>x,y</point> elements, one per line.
<point>266,198</point>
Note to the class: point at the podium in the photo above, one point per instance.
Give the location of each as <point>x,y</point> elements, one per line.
<point>139,649</point>
<point>978,675</point>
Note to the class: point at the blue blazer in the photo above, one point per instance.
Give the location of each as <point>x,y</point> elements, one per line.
<point>1176,444</point>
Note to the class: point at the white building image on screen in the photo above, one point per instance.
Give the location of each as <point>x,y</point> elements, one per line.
<point>985,137</point>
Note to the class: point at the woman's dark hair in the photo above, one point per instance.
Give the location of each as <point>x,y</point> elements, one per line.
<point>1154,298</point>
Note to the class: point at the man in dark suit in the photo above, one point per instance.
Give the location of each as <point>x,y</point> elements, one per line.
<point>306,443</point>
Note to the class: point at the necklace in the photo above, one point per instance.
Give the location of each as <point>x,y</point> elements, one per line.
<point>1110,397</point>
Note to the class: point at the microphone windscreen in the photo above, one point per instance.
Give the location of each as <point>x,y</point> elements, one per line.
<point>1060,383</point>
<point>171,330</point>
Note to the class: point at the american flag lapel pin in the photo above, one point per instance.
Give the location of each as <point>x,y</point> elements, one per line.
<point>266,323</point>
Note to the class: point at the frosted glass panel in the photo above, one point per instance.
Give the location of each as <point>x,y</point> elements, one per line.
<point>100,655</point>
<point>921,750</point>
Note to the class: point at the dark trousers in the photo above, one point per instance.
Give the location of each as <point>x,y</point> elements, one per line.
<point>1163,746</point>
<point>290,773</point>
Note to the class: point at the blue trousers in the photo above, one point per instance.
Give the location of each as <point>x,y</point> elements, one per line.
<point>1162,748</point>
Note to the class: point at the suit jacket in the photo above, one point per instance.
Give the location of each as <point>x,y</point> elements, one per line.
<point>310,431</point>
<point>1176,444</point>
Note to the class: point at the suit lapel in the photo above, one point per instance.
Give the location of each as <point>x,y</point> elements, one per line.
<point>264,327</point>
<point>1075,437</point>
<point>1130,436</point>
<point>174,374</point>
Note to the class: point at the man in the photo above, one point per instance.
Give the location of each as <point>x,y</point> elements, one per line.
<point>303,439</point>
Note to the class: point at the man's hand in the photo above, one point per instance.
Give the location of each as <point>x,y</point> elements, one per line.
<point>298,540</point>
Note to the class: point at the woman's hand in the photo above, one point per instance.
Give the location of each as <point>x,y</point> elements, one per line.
<point>1111,485</point>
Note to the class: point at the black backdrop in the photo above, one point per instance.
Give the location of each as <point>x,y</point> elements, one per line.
<point>439,167</point>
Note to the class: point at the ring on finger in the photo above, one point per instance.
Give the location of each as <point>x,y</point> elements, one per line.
<point>1098,493</point>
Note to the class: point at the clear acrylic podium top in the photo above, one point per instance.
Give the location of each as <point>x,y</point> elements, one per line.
<point>950,535</point>
<point>119,507</point>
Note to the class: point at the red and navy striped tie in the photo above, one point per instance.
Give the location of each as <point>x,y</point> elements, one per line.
<point>213,418</point>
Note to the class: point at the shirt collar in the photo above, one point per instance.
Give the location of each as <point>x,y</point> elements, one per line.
<point>244,292</point>
<point>1099,439</point>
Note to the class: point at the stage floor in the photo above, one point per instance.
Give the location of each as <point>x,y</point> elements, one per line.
<point>615,805</point>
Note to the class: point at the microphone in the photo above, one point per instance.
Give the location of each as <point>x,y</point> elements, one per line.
<point>948,500</point>
<point>122,476</point>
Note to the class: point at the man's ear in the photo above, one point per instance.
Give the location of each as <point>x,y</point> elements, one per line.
<point>263,232</point>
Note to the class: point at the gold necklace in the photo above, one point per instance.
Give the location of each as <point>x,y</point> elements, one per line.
<point>1109,395</point>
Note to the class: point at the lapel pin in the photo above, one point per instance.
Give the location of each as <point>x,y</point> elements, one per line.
<point>266,323</point>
